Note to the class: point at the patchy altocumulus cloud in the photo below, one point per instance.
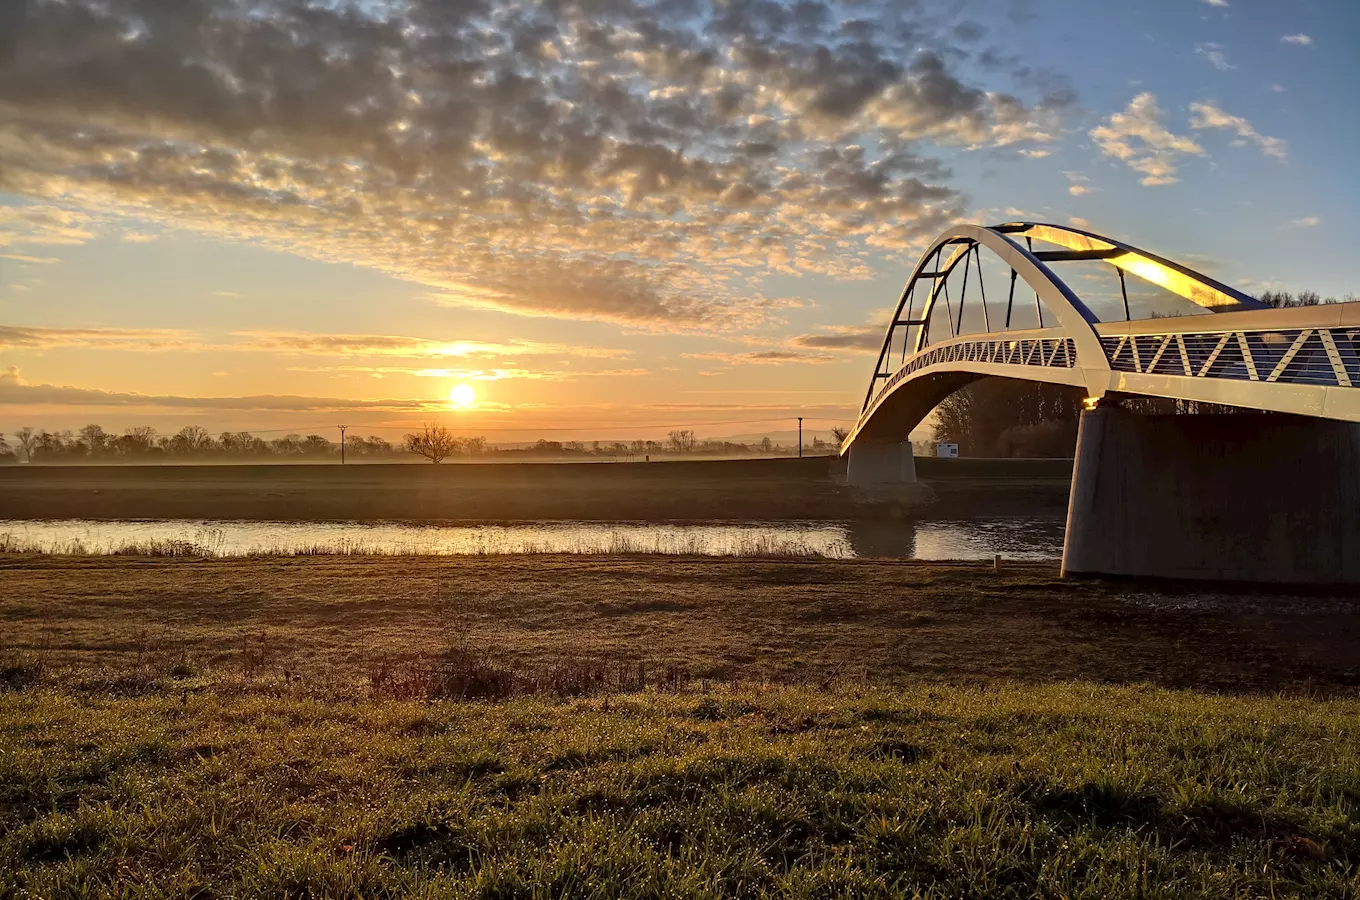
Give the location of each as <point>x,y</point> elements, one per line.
<point>640,163</point>
<point>1138,138</point>
<point>1208,115</point>
<point>40,224</point>
<point>1215,55</point>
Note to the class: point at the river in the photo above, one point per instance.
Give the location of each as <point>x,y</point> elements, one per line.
<point>1031,537</point>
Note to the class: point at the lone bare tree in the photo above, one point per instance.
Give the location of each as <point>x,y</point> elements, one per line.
<point>840,433</point>
<point>434,442</point>
<point>26,438</point>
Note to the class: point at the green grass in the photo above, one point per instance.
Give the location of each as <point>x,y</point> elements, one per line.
<point>1064,790</point>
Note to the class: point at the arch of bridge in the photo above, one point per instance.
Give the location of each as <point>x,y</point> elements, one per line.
<point>1074,317</point>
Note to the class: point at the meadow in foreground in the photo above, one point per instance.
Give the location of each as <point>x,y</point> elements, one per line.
<point>1067,790</point>
<point>614,727</point>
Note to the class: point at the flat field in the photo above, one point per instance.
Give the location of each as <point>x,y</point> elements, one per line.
<point>553,726</point>
<point>765,489</point>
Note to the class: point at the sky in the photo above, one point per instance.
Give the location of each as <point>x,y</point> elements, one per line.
<point>609,219</point>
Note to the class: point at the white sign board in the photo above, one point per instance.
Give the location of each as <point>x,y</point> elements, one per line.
<point>947,451</point>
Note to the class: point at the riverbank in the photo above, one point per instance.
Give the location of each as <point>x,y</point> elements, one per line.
<point>723,490</point>
<point>321,625</point>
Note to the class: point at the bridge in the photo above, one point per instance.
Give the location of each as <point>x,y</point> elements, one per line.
<point>1269,494</point>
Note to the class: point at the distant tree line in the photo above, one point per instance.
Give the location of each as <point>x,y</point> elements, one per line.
<point>436,443</point>
<point>193,443</point>
<point>999,417</point>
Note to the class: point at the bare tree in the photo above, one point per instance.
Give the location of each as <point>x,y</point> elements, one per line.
<point>26,437</point>
<point>840,434</point>
<point>434,442</point>
<point>96,439</point>
<point>138,441</point>
<point>189,440</point>
<point>681,441</point>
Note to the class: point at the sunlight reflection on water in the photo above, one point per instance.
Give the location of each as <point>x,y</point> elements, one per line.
<point>1015,537</point>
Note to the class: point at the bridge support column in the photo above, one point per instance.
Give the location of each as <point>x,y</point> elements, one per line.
<point>878,465</point>
<point>1248,498</point>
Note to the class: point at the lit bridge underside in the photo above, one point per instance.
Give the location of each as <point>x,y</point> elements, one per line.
<point>1303,360</point>
<point>1221,497</point>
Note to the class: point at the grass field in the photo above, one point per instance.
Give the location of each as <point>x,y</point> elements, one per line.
<point>1002,791</point>
<point>666,727</point>
<point>766,490</point>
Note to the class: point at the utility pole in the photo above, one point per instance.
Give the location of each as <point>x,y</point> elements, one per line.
<point>342,442</point>
<point>800,437</point>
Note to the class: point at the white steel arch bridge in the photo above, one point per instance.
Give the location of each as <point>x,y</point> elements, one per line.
<point>1303,360</point>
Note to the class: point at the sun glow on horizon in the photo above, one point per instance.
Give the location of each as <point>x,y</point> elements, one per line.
<point>462,396</point>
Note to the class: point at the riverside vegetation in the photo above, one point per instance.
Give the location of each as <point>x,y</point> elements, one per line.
<point>604,727</point>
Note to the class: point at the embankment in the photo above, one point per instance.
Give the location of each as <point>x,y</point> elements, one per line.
<point>765,490</point>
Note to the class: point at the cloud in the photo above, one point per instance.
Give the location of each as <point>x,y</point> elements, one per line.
<point>18,337</point>
<point>32,225</point>
<point>1137,137</point>
<point>1215,55</point>
<point>300,343</point>
<point>1218,3</point>
<point>35,260</point>
<point>1078,222</point>
<point>764,357</point>
<point>14,391</point>
<point>1305,222</point>
<point>1078,184</point>
<point>363,345</point>
<point>1036,154</point>
<point>1207,115</point>
<point>640,164</point>
<point>1301,40</point>
<point>495,374</point>
<point>856,338</point>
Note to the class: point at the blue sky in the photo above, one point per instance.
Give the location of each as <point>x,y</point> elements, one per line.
<point>611,220</point>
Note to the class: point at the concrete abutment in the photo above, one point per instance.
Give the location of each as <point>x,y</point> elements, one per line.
<point>1244,498</point>
<point>875,465</point>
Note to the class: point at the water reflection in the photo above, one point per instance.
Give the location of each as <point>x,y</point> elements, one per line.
<point>1017,537</point>
<point>884,538</point>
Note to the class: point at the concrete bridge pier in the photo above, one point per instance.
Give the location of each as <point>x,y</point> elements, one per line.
<point>1253,497</point>
<point>879,465</point>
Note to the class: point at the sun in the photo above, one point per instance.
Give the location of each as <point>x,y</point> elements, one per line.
<point>462,396</point>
